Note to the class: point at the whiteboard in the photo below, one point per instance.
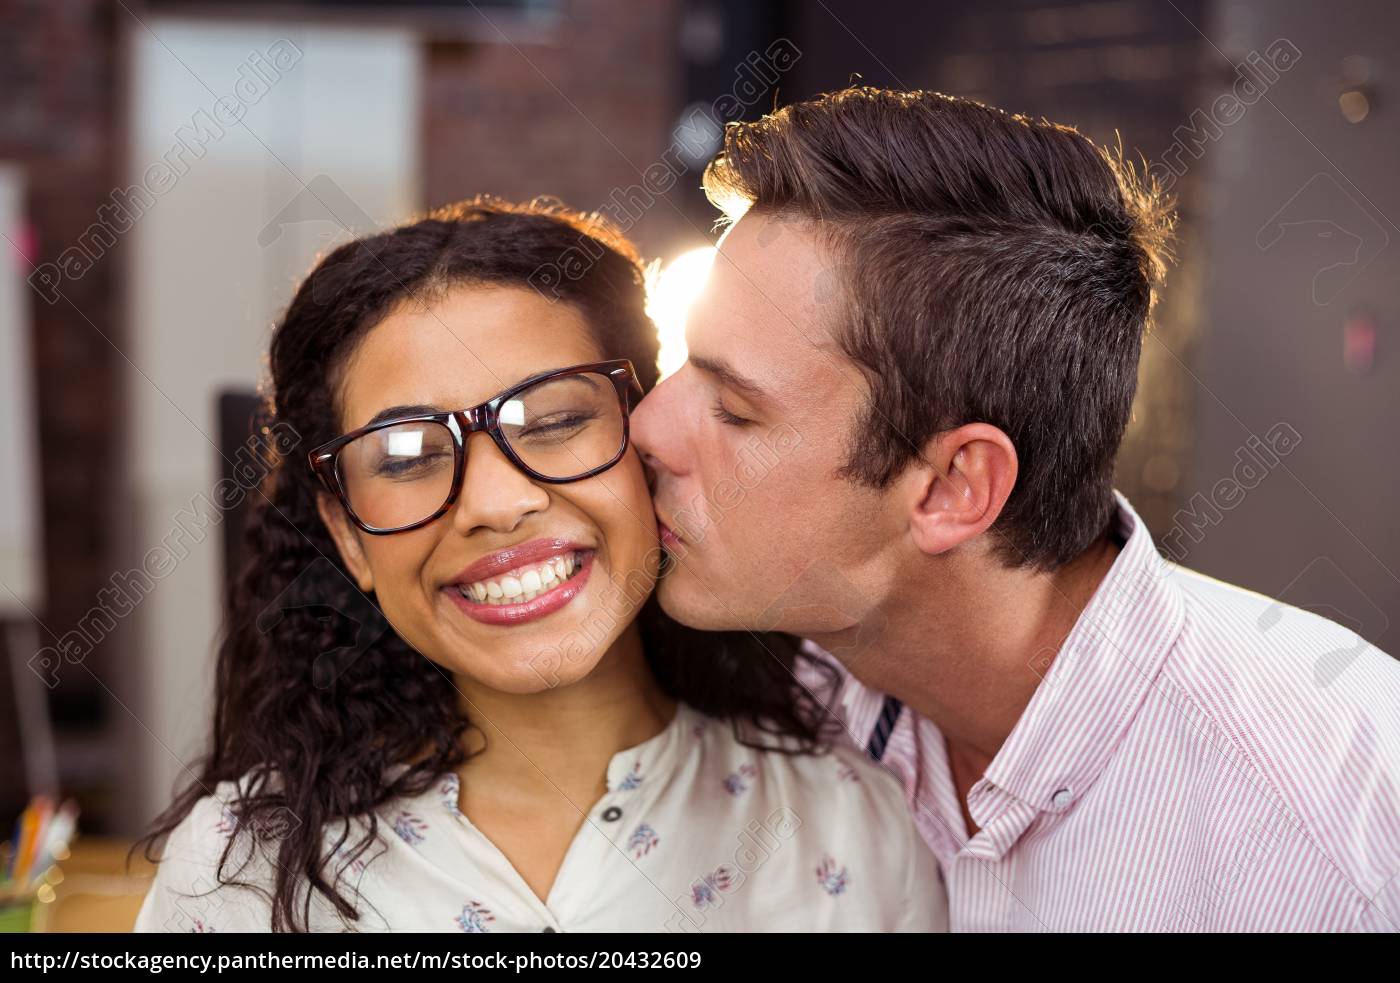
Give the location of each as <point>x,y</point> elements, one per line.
<point>21,569</point>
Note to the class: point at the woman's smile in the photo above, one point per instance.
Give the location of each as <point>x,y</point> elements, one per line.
<point>522,583</point>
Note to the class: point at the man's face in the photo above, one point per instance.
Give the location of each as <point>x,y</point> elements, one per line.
<point>747,440</point>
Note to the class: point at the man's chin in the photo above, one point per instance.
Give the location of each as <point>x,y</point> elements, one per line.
<point>686,600</point>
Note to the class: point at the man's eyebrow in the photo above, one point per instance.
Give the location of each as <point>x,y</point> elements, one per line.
<point>726,375</point>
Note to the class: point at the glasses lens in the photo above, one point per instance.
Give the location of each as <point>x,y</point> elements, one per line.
<point>399,475</point>
<point>565,426</point>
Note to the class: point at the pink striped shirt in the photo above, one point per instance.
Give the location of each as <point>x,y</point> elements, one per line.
<point>1196,758</point>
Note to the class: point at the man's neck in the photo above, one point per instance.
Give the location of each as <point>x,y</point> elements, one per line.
<point>969,655</point>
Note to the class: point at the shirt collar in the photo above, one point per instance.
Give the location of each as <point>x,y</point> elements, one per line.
<point>1095,685</point>
<point>1084,704</point>
<point>857,706</point>
<point>659,754</point>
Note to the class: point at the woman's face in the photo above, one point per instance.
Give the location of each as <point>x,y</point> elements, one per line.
<point>591,543</point>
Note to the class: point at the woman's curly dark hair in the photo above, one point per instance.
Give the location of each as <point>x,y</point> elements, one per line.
<point>308,722</point>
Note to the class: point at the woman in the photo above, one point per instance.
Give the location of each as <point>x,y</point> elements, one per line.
<point>513,737</point>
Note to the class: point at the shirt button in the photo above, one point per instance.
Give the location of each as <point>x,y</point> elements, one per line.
<point>547,928</point>
<point>1061,799</point>
<point>612,814</point>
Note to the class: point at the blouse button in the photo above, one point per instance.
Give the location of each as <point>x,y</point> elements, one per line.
<point>547,928</point>
<point>612,814</point>
<point>1061,799</point>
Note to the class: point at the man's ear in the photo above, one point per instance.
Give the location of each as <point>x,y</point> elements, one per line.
<point>961,486</point>
<point>347,540</point>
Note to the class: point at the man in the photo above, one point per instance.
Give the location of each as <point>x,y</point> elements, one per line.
<point>908,379</point>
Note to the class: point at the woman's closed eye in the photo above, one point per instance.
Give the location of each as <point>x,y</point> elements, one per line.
<point>413,466</point>
<point>557,425</point>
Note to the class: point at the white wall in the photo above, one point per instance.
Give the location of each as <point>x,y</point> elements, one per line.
<point>21,572</point>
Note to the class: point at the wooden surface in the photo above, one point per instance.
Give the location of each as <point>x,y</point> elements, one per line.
<point>97,893</point>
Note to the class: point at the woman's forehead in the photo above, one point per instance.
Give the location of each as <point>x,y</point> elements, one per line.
<point>461,348</point>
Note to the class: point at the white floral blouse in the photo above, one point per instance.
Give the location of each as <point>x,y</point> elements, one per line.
<point>696,832</point>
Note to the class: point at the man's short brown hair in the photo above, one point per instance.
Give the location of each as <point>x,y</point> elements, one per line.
<point>989,268</point>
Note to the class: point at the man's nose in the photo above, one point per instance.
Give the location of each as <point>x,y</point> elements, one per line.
<point>645,425</point>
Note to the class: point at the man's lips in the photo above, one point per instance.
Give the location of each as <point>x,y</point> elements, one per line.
<point>669,539</point>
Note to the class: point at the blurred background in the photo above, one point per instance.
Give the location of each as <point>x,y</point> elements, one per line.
<point>169,170</point>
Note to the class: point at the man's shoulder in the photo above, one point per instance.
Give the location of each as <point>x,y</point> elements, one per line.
<point>1306,702</point>
<point>1252,640</point>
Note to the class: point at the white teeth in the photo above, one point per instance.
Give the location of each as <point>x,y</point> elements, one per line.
<point>524,584</point>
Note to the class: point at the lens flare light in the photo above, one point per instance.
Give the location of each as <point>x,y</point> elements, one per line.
<point>670,298</point>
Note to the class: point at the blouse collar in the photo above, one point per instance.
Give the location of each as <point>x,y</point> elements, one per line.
<point>627,769</point>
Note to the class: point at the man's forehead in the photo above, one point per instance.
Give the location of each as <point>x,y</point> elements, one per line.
<point>773,271</point>
<point>766,311</point>
<point>763,243</point>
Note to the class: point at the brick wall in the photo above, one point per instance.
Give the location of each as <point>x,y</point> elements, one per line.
<point>579,115</point>
<point>58,107</point>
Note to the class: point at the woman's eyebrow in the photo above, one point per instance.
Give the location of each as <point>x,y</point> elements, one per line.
<point>420,409</point>
<point>393,412</point>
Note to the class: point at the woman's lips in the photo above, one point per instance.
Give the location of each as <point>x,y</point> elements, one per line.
<point>542,604</point>
<point>520,555</point>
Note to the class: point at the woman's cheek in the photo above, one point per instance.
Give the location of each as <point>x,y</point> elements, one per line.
<point>641,531</point>
<point>397,563</point>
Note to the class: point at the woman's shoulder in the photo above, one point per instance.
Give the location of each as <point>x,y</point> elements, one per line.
<point>835,823</point>
<point>834,773</point>
<point>216,871</point>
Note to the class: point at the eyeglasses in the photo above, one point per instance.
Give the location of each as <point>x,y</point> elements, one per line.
<point>556,427</point>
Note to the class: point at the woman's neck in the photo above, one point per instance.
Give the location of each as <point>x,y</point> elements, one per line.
<point>561,739</point>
